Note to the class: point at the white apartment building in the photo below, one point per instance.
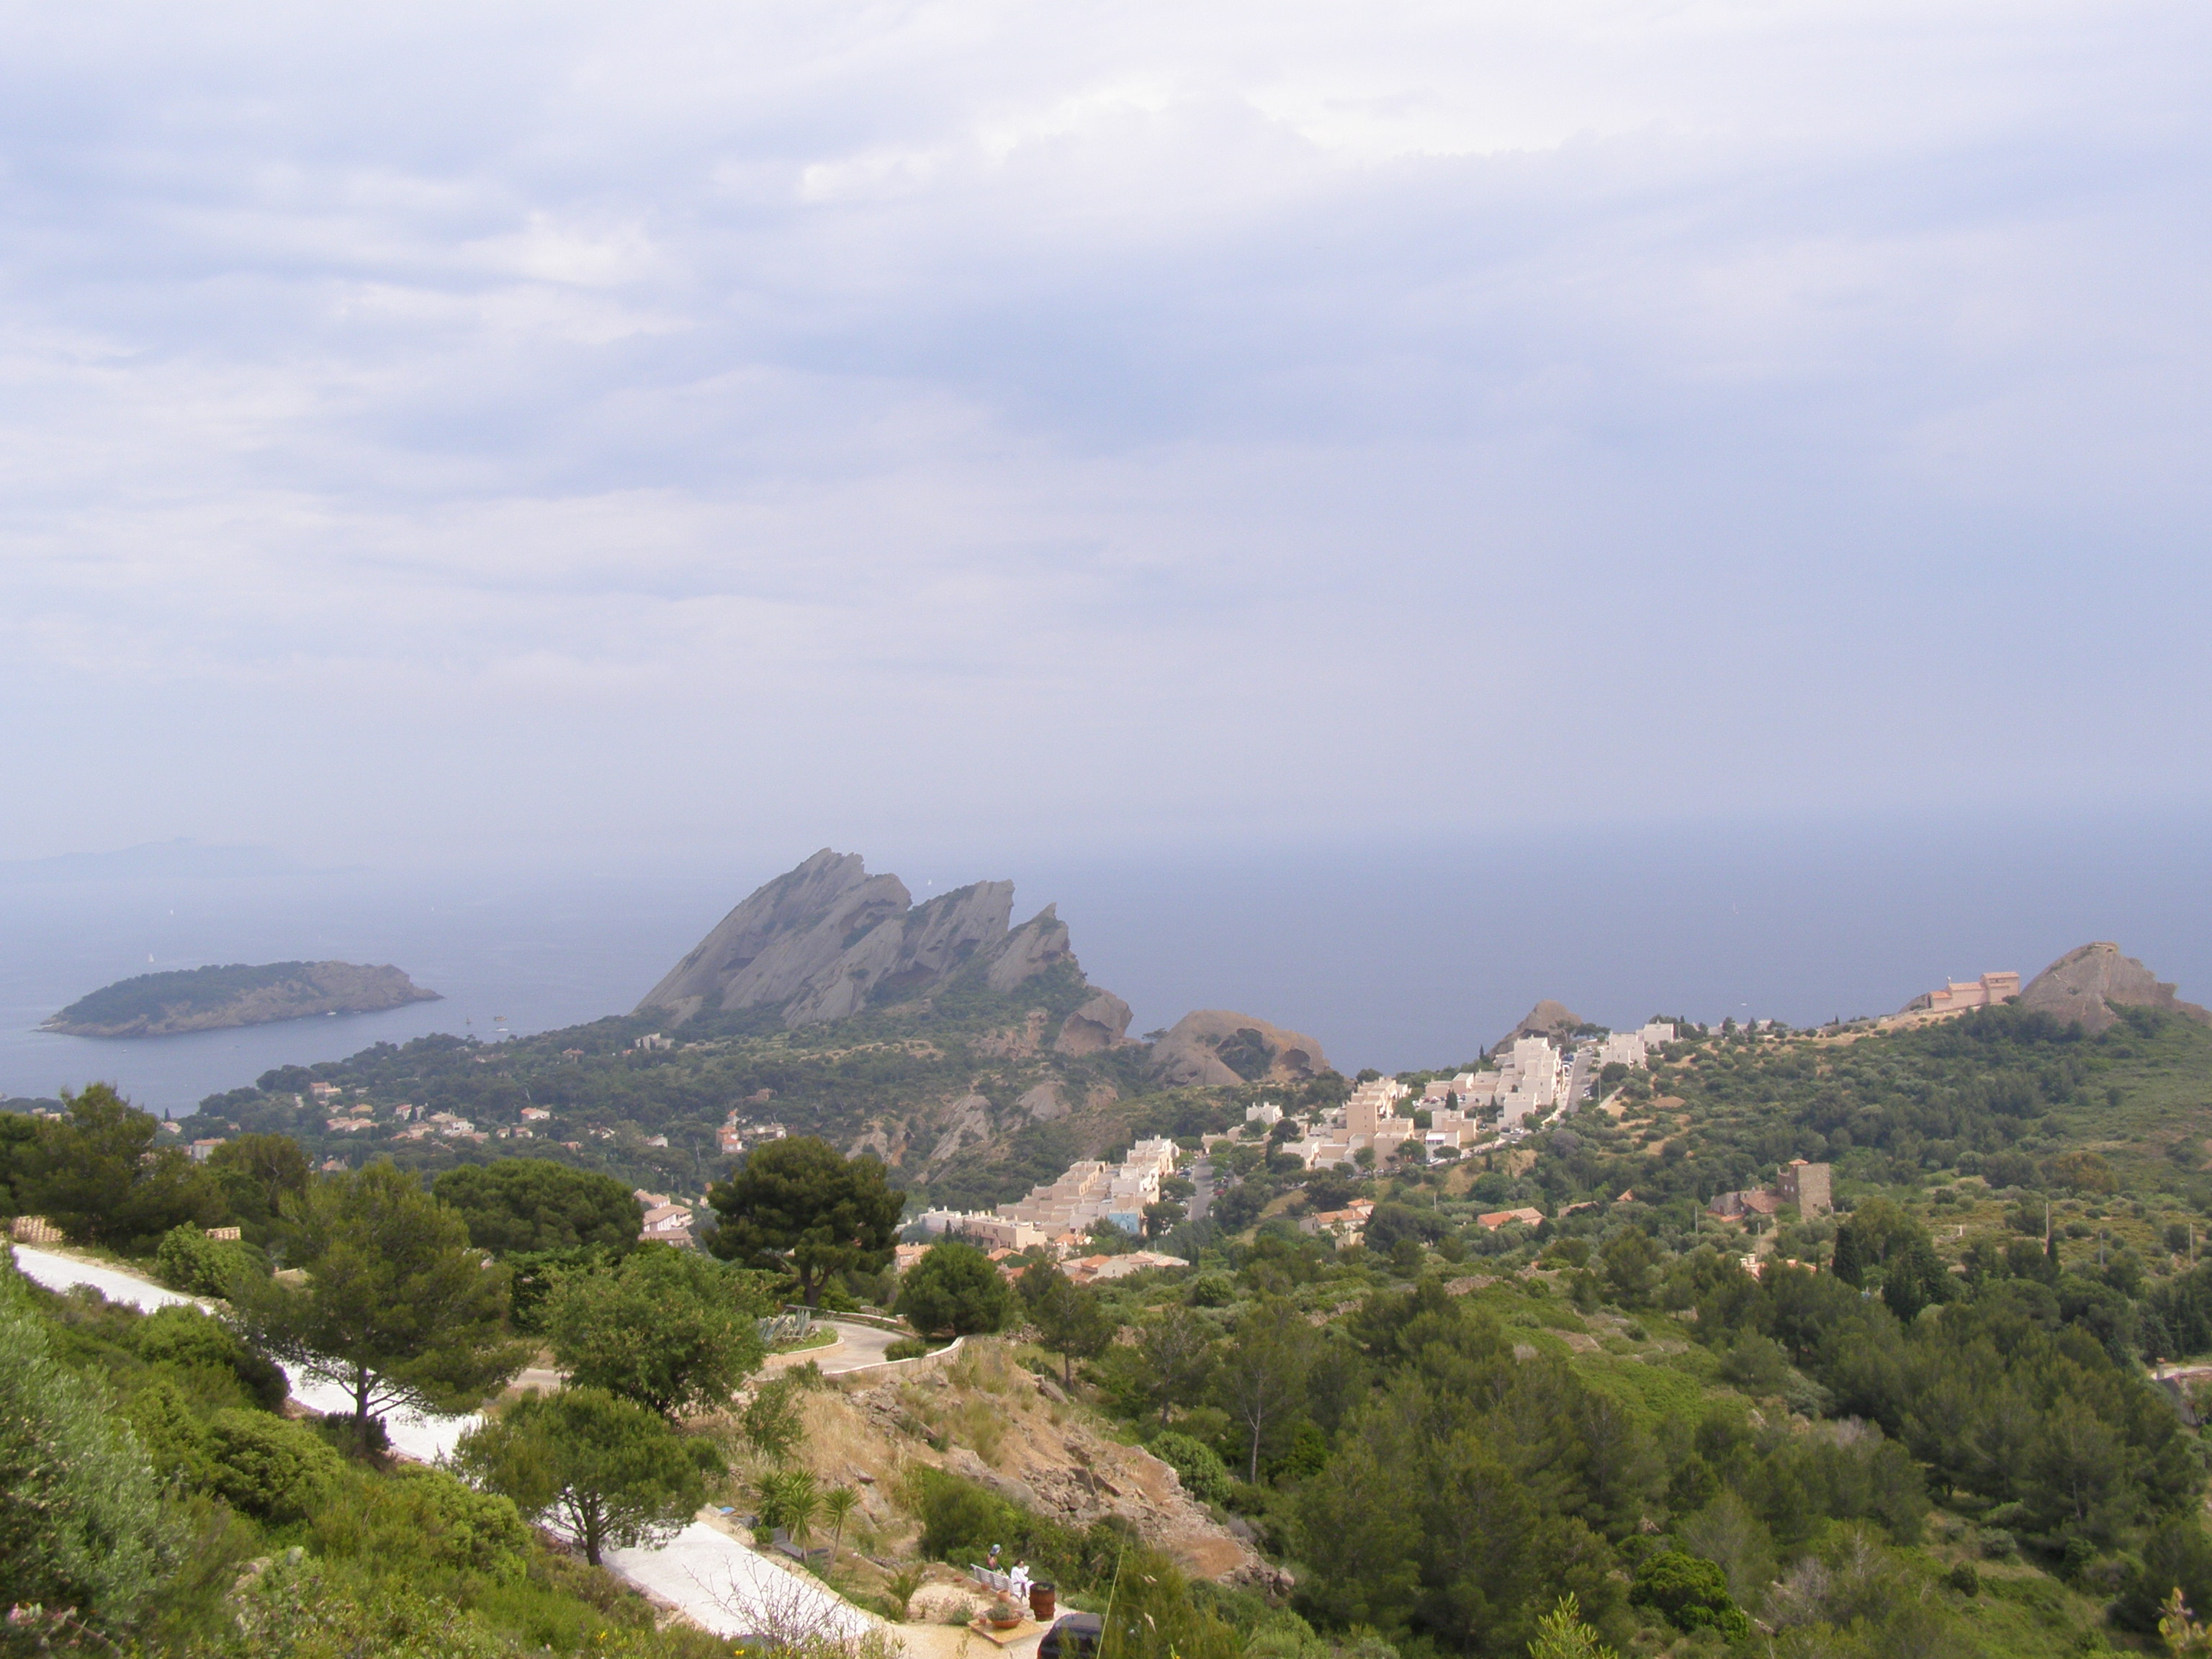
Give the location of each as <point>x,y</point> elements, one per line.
<point>1091,1191</point>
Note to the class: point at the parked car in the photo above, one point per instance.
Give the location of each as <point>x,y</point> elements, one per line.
<point>1073,1636</point>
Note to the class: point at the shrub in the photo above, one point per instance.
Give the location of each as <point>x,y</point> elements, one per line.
<point>269,1468</point>
<point>189,1260</point>
<point>189,1339</point>
<point>909,1347</point>
<point>1196,1464</point>
<point>80,1519</point>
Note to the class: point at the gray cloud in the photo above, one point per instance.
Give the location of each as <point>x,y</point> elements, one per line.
<point>551,430</point>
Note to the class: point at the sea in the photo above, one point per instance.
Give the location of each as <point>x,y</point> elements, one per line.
<point>1391,952</point>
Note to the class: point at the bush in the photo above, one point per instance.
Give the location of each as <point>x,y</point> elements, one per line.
<point>909,1347</point>
<point>1196,1464</point>
<point>1963,1579</point>
<point>417,1521</point>
<point>200,1266</point>
<point>188,1338</point>
<point>80,1519</point>
<point>189,1260</point>
<point>269,1468</point>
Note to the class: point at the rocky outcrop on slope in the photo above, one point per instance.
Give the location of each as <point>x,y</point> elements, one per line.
<point>217,999</point>
<point>1214,1046</point>
<point>1043,1452</point>
<point>827,939</point>
<point>1101,1023</point>
<point>2089,984</point>
<point>1547,1019</point>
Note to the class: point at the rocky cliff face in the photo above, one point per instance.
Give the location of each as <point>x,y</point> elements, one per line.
<point>828,940</point>
<point>2090,983</point>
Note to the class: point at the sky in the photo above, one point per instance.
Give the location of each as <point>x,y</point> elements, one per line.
<point>506,434</point>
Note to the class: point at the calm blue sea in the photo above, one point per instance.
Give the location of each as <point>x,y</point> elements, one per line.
<point>1392,954</point>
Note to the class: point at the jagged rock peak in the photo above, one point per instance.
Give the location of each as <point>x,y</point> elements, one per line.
<point>1547,1019</point>
<point>2090,983</point>
<point>827,939</point>
<point>1213,1046</point>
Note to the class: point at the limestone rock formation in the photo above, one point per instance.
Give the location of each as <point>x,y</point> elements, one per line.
<point>2088,984</point>
<point>1547,1019</point>
<point>1214,1046</point>
<point>828,940</point>
<point>1101,1023</point>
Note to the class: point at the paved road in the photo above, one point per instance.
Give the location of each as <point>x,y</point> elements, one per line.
<point>1579,1077</point>
<point>1201,1176</point>
<point>858,1347</point>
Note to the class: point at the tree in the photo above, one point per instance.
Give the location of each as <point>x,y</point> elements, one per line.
<point>838,1503</point>
<point>1690,1593</point>
<point>1175,1355</point>
<point>98,1176</point>
<point>614,1474</point>
<point>256,1174</point>
<point>664,1327</point>
<point>800,1206</point>
<point>81,1516</point>
<point>534,1204</point>
<point>1561,1634</point>
<point>1072,1322</point>
<point>1630,1257</point>
<point>789,1499</point>
<point>1262,1374</point>
<point>954,1288</point>
<point>397,1308</point>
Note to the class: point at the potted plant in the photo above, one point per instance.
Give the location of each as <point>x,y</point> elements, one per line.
<point>1003,1615</point>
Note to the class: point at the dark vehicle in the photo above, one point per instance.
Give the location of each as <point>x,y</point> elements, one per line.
<point>1075,1636</point>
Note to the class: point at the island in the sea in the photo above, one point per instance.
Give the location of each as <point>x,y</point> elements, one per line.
<point>212,999</point>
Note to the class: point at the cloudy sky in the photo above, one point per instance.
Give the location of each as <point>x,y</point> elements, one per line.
<point>431,431</point>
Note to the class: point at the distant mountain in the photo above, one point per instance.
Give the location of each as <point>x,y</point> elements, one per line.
<point>213,999</point>
<point>159,860</point>
<point>828,941</point>
<point>2089,984</point>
